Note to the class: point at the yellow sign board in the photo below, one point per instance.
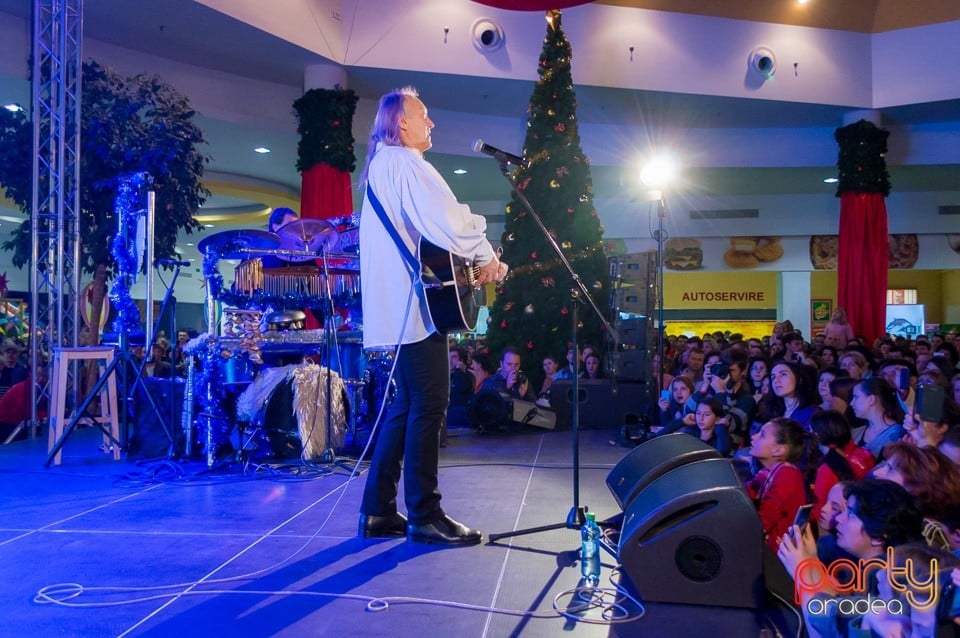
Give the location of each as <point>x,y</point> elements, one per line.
<point>749,329</point>
<point>719,290</point>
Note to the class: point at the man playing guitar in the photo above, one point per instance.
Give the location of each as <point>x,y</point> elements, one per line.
<point>407,200</point>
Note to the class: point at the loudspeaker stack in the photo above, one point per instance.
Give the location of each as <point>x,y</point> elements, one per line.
<point>690,534</point>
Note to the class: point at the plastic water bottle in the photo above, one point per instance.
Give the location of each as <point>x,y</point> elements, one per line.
<point>590,551</point>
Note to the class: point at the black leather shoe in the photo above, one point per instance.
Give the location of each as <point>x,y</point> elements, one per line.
<point>444,531</point>
<point>373,526</point>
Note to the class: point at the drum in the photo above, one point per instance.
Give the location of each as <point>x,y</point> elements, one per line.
<point>349,361</point>
<point>292,432</point>
<point>237,369</point>
<point>379,386</point>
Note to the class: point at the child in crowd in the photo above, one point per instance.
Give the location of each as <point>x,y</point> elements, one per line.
<point>677,411</point>
<point>711,425</point>
<point>779,488</point>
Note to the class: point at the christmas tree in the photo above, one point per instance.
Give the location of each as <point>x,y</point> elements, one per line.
<point>532,308</point>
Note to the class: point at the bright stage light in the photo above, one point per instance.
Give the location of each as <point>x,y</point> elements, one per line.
<point>658,172</point>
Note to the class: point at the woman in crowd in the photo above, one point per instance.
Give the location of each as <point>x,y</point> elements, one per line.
<point>667,370</point>
<point>875,401</point>
<point>834,505</point>
<point>758,377</point>
<point>828,355</point>
<point>779,488</point>
<point>677,412</point>
<point>482,367</point>
<point>918,620</point>
<point>551,365</point>
<point>855,364</point>
<point>827,376</point>
<point>931,478</point>
<point>879,514</point>
<point>925,433</point>
<point>711,425</point>
<point>793,394</point>
<point>591,367</point>
<point>842,459</point>
<point>841,391</point>
<point>837,332</point>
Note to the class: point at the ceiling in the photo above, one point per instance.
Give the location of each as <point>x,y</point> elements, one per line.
<point>181,32</point>
<point>865,16</point>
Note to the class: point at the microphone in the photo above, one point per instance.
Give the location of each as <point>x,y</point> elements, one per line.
<point>501,156</point>
<point>172,262</point>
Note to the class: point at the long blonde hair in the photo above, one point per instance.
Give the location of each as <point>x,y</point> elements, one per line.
<point>386,125</point>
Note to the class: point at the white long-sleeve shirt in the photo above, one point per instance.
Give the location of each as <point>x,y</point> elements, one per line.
<point>418,202</point>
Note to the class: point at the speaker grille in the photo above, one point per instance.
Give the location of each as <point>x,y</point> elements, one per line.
<point>699,558</point>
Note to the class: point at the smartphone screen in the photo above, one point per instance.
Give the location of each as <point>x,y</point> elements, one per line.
<point>803,515</point>
<point>929,403</point>
<point>664,395</point>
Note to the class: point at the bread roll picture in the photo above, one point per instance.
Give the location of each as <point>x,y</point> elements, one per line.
<point>750,252</point>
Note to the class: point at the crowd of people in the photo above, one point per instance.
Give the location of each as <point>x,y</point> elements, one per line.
<point>866,434</point>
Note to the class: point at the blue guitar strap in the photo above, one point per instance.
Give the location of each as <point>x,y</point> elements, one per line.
<point>402,247</point>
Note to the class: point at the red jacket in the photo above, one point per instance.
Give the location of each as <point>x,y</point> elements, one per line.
<point>15,404</point>
<point>861,461</point>
<point>779,492</point>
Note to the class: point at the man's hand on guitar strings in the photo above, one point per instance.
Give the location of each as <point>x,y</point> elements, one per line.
<point>491,271</point>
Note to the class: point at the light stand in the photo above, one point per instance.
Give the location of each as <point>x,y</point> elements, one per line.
<point>661,213</point>
<point>579,293</point>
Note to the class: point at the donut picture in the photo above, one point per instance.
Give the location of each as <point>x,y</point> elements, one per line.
<point>903,251</point>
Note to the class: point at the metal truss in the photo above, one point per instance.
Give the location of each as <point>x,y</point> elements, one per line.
<point>55,203</point>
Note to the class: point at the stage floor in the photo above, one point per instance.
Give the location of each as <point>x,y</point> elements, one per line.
<point>170,549</point>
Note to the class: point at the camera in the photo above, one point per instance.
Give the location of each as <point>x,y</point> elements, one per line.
<point>720,369</point>
<point>521,377</point>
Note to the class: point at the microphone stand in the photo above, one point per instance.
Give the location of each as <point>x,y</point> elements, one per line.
<point>578,294</point>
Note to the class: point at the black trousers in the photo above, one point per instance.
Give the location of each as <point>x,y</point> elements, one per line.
<point>410,434</point>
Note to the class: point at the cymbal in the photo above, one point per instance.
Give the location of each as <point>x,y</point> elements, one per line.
<point>293,250</point>
<point>309,235</point>
<point>238,244</point>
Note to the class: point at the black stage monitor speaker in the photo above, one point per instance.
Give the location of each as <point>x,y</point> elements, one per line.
<point>603,403</point>
<point>653,459</point>
<point>693,537</point>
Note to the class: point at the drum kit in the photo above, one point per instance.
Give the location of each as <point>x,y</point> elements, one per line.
<point>298,268</point>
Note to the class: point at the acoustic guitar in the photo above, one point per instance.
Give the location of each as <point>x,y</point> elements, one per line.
<point>453,298</point>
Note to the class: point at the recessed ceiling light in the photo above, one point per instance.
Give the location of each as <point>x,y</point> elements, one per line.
<point>459,171</point>
<point>831,180</point>
<point>13,108</point>
<point>263,150</point>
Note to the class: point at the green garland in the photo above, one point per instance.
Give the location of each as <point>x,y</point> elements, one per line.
<point>326,129</point>
<point>862,168</point>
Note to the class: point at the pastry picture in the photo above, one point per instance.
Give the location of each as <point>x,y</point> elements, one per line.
<point>823,252</point>
<point>904,250</point>
<point>750,252</point>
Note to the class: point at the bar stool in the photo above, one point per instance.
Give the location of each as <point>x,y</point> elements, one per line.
<point>108,398</point>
